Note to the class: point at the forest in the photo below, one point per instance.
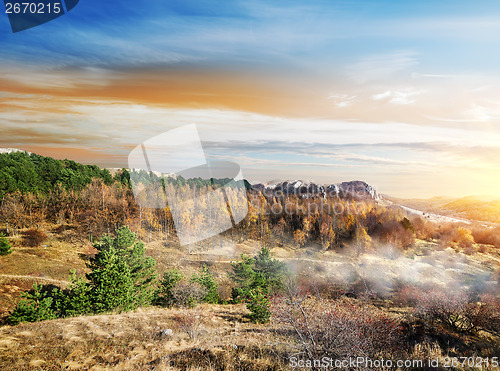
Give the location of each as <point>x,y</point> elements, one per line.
<point>281,285</point>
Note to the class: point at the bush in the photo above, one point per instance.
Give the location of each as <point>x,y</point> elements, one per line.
<point>34,237</point>
<point>424,230</point>
<point>396,233</point>
<point>339,328</point>
<point>485,314</point>
<point>487,236</point>
<point>164,296</point>
<point>190,321</point>
<point>446,307</point>
<point>206,280</point>
<point>188,294</point>
<point>406,296</point>
<point>35,305</point>
<point>464,237</point>
<point>5,246</point>
<point>455,309</point>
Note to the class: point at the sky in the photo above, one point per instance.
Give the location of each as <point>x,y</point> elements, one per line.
<point>404,95</point>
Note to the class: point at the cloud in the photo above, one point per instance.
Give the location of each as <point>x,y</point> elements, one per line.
<point>399,97</point>
<point>106,130</point>
<point>342,100</point>
<point>40,77</point>
<point>382,66</point>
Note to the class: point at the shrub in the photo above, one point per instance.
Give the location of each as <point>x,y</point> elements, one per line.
<point>5,246</point>
<point>35,305</point>
<point>487,236</point>
<point>164,296</point>
<point>206,280</point>
<point>424,230</point>
<point>258,306</point>
<point>329,288</point>
<point>406,296</point>
<point>190,321</point>
<point>34,237</point>
<point>188,294</point>
<point>484,314</point>
<point>446,307</point>
<point>396,233</point>
<point>339,328</point>
<point>76,300</point>
<point>464,237</point>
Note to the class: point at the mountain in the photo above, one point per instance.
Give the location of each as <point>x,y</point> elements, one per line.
<point>11,150</point>
<point>356,189</point>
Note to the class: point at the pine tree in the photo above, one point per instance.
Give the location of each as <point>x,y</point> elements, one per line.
<point>164,296</point>
<point>258,306</point>
<point>35,305</point>
<point>256,278</point>
<point>5,246</point>
<point>206,279</point>
<point>243,275</point>
<point>76,300</point>
<point>121,276</point>
<point>270,270</point>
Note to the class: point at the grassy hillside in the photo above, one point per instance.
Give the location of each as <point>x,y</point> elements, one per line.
<point>474,208</point>
<point>215,337</point>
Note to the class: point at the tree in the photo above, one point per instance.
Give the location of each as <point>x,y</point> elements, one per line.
<point>326,232</point>
<point>279,230</point>
<point>363,240</point>
<point>206,280</point>
<point>121,276</point>
<point>243,276</point>
<point>164,296</point>
<point>35,305</point>
<point>76,300</point>
<point>300,237</point>
<point>259,306</point>
<point>270,271</point>
<point>5,246</point>
<point>256,278</point>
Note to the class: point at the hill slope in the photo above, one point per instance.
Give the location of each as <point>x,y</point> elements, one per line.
<point>29,172</point>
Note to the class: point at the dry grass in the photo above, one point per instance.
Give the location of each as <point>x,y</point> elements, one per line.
<point>224,338</point>
<point>132,341</point>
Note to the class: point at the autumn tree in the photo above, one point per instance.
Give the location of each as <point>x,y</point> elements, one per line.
<point>362,240</point>
<point>326,232</point>
<point>299,237</point>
